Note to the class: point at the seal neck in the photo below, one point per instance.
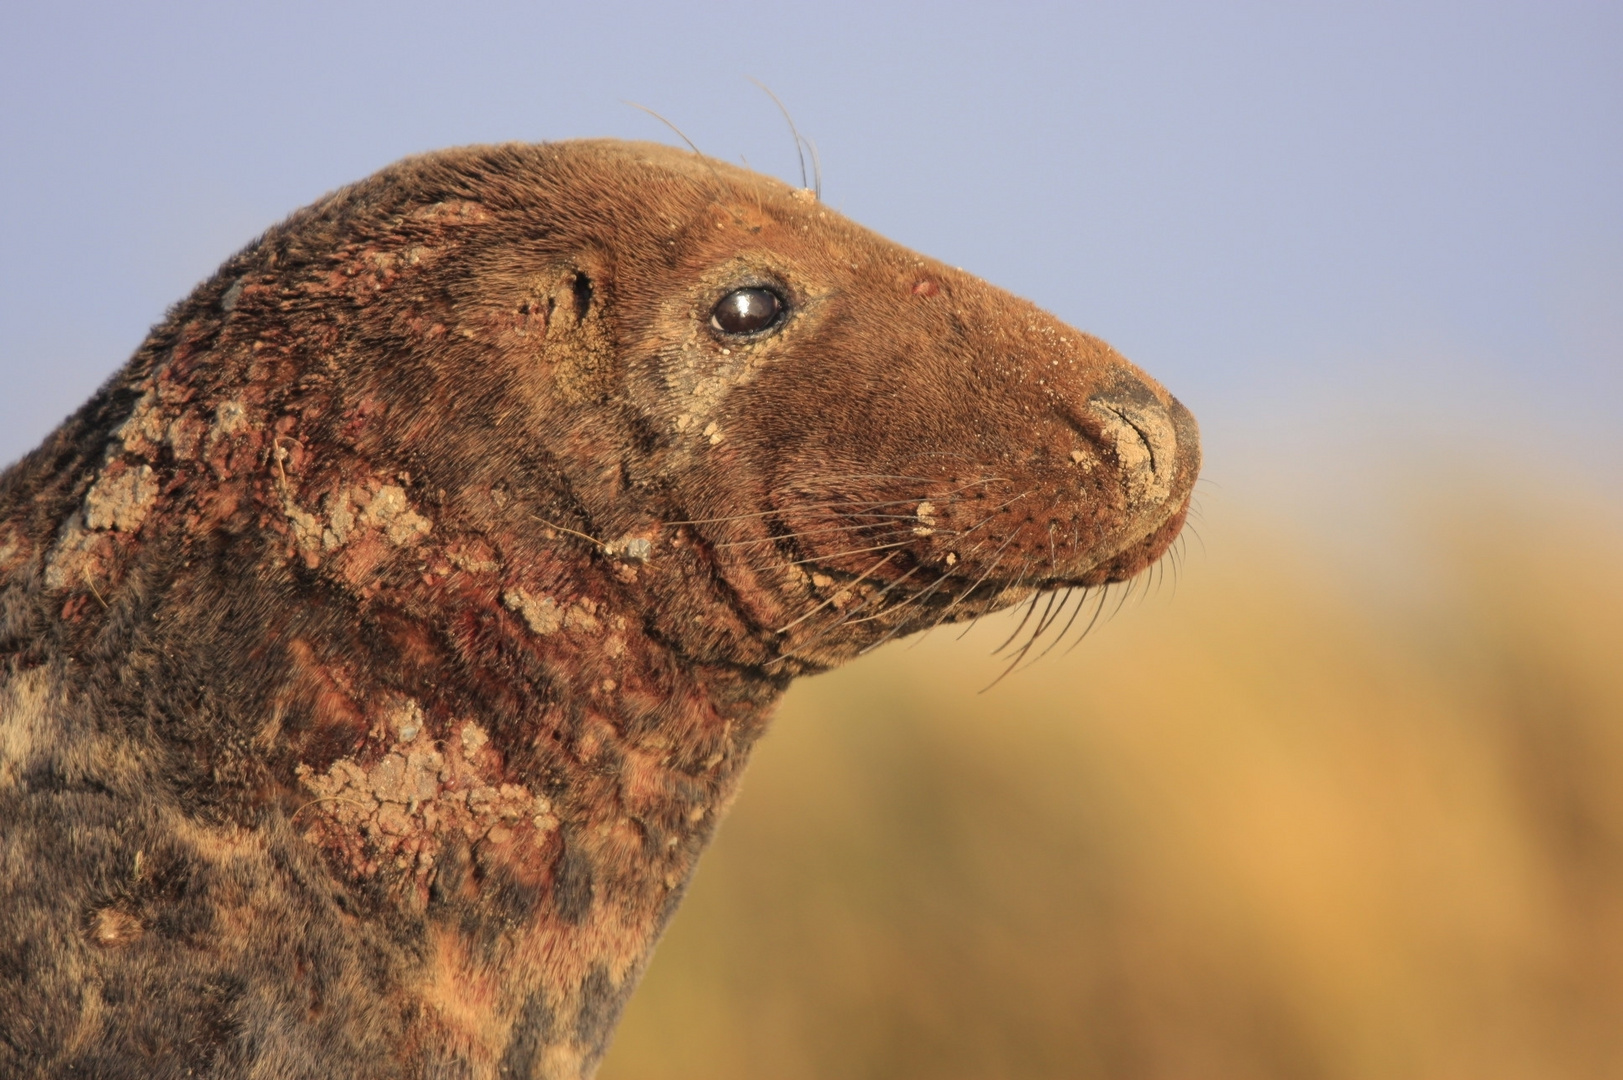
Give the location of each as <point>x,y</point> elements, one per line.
<point>526,776</point>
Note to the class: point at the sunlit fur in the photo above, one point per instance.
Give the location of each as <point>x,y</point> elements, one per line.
<point>383,643</point>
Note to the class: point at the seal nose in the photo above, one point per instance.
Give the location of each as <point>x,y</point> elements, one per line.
<point>1143,434</point>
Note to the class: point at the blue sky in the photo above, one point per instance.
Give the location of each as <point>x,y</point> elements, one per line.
<point>1349,236</point>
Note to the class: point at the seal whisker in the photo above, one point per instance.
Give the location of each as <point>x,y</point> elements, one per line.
<point>853,551</point>
<point>758,563</point>
<point>1189,527</point>
<point>1104,594</point>
<point>1025,565</point>
<point>1030,641</point>
<point>845,617</point>
<point>893,517</point>
<point>778,511</point>
<point>1039,633</point>
<point>1006,503</point>
<point>836,478</point>
<point>817,168</point>
<point>1030,606</point>
<point>1081,602</point>
<point>878,599</point>
<point>997,559</point>
<point>776,538</point>
<point>1046,622</point>
<point>793,131</point>
<point>853,523</point>
<point>946,578</point>
<point>594,541</point>
<point>1126,591</point>
<point>921,596</point>
<point>696,151</point>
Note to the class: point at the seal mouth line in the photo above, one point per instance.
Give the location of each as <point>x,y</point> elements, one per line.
<point>996,561</point>
<point>879,597</point>
<point>777,511</point>
<point>830,600</point>
<point>919,597</point>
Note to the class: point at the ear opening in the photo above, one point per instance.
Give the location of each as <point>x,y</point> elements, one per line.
<point>582,288</point>
<point>579,345</point>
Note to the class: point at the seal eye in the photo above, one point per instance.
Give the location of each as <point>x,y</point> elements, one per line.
<point>747,311</point>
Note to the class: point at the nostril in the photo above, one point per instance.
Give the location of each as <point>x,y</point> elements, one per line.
<point>1141,433</point>
<point>1141,425</point>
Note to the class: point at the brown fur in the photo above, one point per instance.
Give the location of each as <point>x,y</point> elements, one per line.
<point>383,643</point>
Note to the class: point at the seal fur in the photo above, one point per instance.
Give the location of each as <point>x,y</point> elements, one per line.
<point>382,644</point>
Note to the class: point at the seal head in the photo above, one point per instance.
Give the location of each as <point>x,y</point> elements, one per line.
<point>383,643</point>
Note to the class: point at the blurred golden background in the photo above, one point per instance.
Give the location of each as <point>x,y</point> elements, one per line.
<point>1276,820</point>
<point>1347,801</point>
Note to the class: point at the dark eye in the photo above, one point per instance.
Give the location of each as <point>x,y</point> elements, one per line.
<point>747,311</point>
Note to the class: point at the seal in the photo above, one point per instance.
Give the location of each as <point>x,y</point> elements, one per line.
<point>383,643</point>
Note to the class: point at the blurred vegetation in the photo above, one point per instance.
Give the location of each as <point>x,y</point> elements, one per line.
<point>1266,824</point>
